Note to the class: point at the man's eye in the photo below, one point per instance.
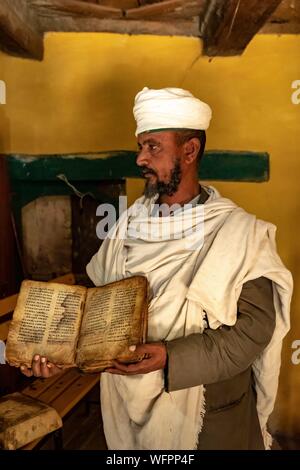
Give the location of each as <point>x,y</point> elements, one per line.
<point>153,147</point>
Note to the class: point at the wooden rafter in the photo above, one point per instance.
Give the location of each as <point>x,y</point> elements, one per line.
<point>155,9</point>
<point>167,8</point>
<point>19,30</point>
<point>75,7</point>
<point>285,19</point>
<point>185,27</point>
<point>124,4</point>
<point>229,25</point>
<point>60,18</point>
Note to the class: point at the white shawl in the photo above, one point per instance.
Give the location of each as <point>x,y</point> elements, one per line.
<point>185,280</point>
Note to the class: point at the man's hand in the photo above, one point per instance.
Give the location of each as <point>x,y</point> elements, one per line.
<point>40,367</point>
<point>155,359</point>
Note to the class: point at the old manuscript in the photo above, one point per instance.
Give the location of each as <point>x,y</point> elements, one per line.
<point>73,325</point>
<point>23,419</point>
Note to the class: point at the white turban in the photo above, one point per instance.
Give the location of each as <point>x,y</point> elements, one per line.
<point>169,108</point>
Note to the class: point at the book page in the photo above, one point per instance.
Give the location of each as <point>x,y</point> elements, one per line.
<point>114,318</point>
<point>46,321</point>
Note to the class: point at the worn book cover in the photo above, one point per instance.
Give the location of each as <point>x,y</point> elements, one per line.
<point>73,325</point>
<point>23,419</point>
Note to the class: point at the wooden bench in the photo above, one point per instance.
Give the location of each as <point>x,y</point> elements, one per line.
<point>63,391</point>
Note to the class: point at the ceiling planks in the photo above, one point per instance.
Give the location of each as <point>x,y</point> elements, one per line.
<point>185,27</point>
<point>285,19</point>
<point>229,25</point>
<point>76,7</point>
<point>155,9</point>
<point>226,26</point>
<point>124,4</point>
<point>168,17</point>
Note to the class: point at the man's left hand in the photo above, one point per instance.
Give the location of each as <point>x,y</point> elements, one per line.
<point>155,359</point>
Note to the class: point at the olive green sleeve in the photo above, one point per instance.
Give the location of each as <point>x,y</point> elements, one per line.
<point>220,354</point>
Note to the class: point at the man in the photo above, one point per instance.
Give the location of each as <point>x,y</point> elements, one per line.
<point>219,298</point>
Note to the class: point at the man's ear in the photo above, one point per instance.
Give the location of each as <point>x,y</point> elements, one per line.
<point>191,150</point>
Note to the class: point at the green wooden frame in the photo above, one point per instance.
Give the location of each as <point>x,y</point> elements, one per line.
<point>34,176</point>
<point>216,165</point>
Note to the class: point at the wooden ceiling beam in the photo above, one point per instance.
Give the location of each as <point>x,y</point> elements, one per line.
<point>191,8</point>
<point>229,25</point>
<point>57,20</point>
<point>74,8</point>
<point>124,4</point>
<point>185,27</point>
<point>19,30</point>
<point>155,9</point>
<point>145,2</point>
<point>285,19</point>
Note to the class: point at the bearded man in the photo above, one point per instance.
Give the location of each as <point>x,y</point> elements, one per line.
<point>219,298</point>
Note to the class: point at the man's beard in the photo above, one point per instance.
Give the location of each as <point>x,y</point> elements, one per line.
<point>160,187</point>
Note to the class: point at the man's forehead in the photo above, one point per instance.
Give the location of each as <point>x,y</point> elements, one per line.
<point>156,136</point>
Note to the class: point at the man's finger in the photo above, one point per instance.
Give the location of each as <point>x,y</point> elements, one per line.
<point>138,349</point>
<point>26,371</point>
<point>36,366</point>
<point>53,369</point>
<point>45,371</point>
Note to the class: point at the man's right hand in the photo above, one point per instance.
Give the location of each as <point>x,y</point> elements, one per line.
<point>40,367</point>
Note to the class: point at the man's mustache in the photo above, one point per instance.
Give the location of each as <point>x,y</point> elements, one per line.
<point>145,170</point>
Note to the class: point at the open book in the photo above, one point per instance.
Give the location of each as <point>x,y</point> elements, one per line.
<point>76,326</point>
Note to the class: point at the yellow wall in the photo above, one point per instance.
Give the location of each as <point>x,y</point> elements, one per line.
<point>79,99</point>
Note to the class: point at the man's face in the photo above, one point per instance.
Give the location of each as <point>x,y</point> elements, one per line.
<point>159,158</point>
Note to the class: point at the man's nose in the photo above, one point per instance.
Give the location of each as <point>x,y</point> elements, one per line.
<point>142,158</point>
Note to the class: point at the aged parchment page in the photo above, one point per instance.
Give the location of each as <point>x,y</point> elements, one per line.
<point>114,318</point>
<point>46,321</point>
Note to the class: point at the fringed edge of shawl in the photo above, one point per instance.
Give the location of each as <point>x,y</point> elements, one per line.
<point>201,419</point>
<point>267,438</point>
